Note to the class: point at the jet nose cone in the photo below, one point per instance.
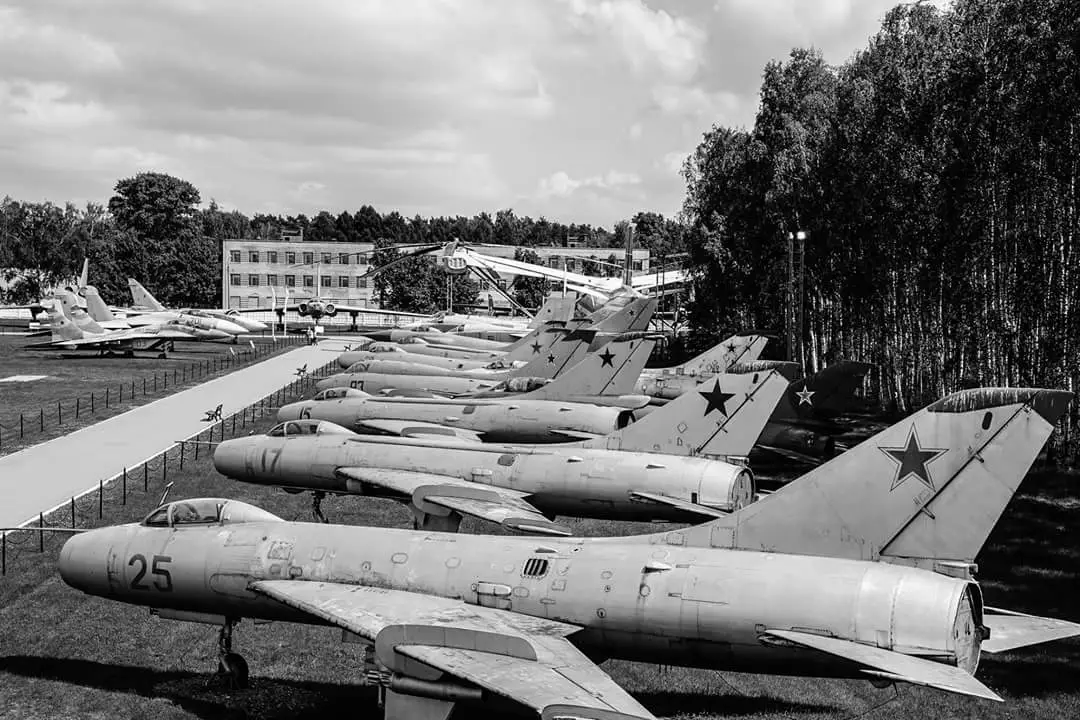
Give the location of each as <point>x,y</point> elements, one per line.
<point>83,561</point>
<point>289,412</point>
<point>257,326</point>
<point>229,457</point>
<point>327,383</point>
<point>230,328</point>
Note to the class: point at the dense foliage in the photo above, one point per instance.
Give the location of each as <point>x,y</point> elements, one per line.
<point>936,172</point>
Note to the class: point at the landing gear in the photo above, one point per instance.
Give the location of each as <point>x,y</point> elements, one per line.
<point>450,522</point>
<point>316,506</point>
<point>232,667</point>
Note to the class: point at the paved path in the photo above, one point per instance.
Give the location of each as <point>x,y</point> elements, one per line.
<point>46,475</point>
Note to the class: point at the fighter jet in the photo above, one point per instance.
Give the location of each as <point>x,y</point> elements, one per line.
<point>148,311</point>
<point>650,470</point>
<point>603,377</point>
<point>718,359</point>
<point>861,569</point>
<point>66,335</point>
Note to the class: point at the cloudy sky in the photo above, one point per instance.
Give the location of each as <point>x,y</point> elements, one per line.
<point>578,110</point>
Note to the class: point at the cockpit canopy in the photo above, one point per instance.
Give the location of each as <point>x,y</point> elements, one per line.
<point>384,347</point>
<point>295,428</point>
<point>206,511</point>
<point>338,393</point>
<point>522,384</point>
<point>411,340</point>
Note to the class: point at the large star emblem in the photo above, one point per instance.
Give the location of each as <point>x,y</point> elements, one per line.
<point>805,396</point>
<point>716,399</point>
<point>606,357</point>
<point>912,459</point>
<point>731,348</point>
<point>536,348</point>
<point>551,358</point>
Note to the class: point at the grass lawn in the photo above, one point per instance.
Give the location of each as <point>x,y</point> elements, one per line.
<point>64,654</point>
<point>79,383</point>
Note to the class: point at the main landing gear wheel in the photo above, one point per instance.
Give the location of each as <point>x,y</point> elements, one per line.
<point>232,667</point>
<point>316,506</point>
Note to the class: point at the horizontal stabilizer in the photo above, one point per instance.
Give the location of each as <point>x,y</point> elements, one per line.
<point>676,503</point>
<point>891,665</point>
<point>1010,630</point>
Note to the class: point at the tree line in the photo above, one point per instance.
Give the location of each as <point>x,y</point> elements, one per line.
<point>936,174</point>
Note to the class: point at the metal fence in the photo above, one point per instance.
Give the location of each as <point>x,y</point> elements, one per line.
<point>149,476</point>
<point>51,416</point>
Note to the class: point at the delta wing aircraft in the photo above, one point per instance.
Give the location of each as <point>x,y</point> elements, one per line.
<point>861,569</point>
<point>66,335</point>
<point>647,471</point>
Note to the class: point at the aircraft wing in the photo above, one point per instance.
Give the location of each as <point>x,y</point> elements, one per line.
<point>503,506</point>
<point>406,428</point>
<point>891,665</point>
<point>1010,630</point>
<point>526,659</point>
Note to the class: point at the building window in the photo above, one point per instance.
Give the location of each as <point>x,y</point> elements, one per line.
<point>636,264</point>
<point>326,281</point>
<point>234,279</point>
<point>290,281</point>
<point>361,283</point>
<point>553,261</point>
<point>571,264</point>
<point>234,256</point>
<point>290,257</point>
<point>343,258</point>
<point>309,281</point>
<point>327,258</point>
<point>361,259</point>
<point>484,286</point>
<point>343,281</point>
<point>271,257</point>
<point>271,280</point>
<point>309,258</point>
<point>253,256</point>
<point>253,280</point>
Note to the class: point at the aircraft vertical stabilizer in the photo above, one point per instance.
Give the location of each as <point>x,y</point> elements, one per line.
<point>720,358</point>
<point>926,491</point>
<point>69,306</point>
<point>62,328</point>
<point>557,308</point>
<point>142,298</point>
<point>723,417</point>
<point>552,352</point>
<point>96,307</point>
<point>612,370</point>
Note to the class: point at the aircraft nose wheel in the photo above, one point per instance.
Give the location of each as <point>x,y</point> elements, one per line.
<point>232,667</point>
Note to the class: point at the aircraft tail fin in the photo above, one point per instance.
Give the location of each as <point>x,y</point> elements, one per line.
<point>926,491</point>
<point>723,356</point>
<point>142,298</point>
<point>69,307</point>
<point>826,393</point>
<point>96,307</point>
<point>556,308</point>
<point>84,274</point>
<point>551,352</point>
<point>722,418</point>
<point>612,370</point>
<point>624,313</point>
<point>61,326</point>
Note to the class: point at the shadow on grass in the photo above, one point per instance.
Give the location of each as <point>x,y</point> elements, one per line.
<point>665,704</point>
<point>201,694</point>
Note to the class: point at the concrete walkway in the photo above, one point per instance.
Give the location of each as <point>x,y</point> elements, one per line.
<point>47,475</point>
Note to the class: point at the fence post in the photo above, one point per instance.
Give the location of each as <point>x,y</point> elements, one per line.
<point>233,427</point>
<point>41,532</point>
<point>42,418</point>
<point>198,443</point>
<point>144,386</point>
<point>77,408</point>
<point>20,426</point>
<point>3,553</point>
<point>164,465</point>
<point>182,446</point>
<point>100,497</point>
<point>59,414</point>
<point>123,495</point>
<point>72,511</point>
<point>145,477</point>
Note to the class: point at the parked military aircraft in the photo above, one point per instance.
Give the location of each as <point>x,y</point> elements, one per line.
<point>641,472</point>
<point>861,569</point>
<point>148,311</point>
<point>67,336</point>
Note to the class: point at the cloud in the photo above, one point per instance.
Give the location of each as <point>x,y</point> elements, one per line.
<point>438,107</point>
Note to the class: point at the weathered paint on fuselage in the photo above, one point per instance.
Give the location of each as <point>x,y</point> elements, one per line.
<point>635,598</point>
<point>527,421</point>
<point>582,482</point>
<point>377,382</point>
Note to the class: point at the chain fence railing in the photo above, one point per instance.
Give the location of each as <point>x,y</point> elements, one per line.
<point>111,495</point>
<point>54,415</point>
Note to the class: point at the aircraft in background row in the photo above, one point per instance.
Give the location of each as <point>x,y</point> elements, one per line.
<point>146,310</point>
<point>863,568</point>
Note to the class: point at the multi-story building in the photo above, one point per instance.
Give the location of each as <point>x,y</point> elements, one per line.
<point>256,273</point>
